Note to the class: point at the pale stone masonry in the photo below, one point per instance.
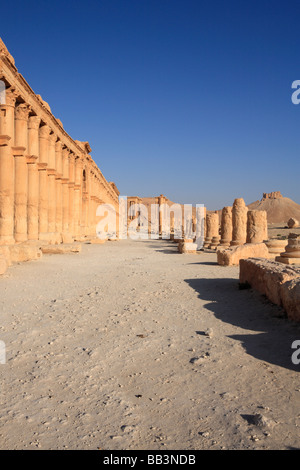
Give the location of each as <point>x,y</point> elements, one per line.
<point>278,282</point>
<point>50,186</point>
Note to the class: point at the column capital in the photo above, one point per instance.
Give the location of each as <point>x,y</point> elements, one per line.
<point>10,97</point>
<point>58,146</point>
<point>34,122</point>
<point>66,152</point>
<point>22,111</point>
<point>45,132</point>
<point>53,138</point>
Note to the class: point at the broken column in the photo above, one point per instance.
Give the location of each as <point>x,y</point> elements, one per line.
<point>257,226</point>
<point>226,226</point>
<point>212,230</point>
<point>239,222</point>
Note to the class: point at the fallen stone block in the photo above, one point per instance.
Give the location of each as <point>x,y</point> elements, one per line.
<point>97,241</point>
<point>231,256</point>
<point>278,282</point>
<point>24,252</point>
<point>187,246</point>
<point>61,249</point>
<point>293,223</point>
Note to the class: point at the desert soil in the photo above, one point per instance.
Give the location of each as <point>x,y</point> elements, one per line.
<point>130,345</point>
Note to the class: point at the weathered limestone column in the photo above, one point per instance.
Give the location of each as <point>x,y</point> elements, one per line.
<point>65,190</point>
<point>161,200</point>
<point>71,193</point>
<point>77,196</point>
<point>51,171</point>
<point>91,214</point>
<point>226,226</point>
<point>85,201</point>
<point>44,133</point>
<point>33,178</point>
<point>212,230</point>
<point>7,117</point>
<point>58,183</point>
<point>215,241</point>
<point>21,172</point>
<point>239,222</point>
<point>21,188</point>
<point>257,226</point>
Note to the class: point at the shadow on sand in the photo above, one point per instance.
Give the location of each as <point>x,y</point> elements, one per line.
<point>251,311</point>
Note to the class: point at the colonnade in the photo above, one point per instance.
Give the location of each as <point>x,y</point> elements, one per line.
<point>50,186</point>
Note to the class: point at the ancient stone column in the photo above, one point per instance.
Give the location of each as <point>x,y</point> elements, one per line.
<point>239,222</point>
<point>7,117</point>
<point>85,200</point>
<point>91,213</point>
<point>58,181</point>
<point>21,172</point>
<point>212,230</point>
<point>71,193</point>
<point>257,226</point>
<point>51,171</point>
<point>77,196</point>
<point>65,190</point>
<point>226,226</point>
<point>161,201</point>
<point>33,178</point>
<point>215,241</point>
<point>44,133</point>
<point>21,189</point>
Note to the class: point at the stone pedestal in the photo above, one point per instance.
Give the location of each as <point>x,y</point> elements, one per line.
<point>239,222</point>
<point>276,246</point>
<point>292,252</point>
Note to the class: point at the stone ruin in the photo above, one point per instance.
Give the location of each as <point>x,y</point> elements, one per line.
<point>50,186</point>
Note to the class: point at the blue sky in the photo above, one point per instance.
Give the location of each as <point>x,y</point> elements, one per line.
<point>189,98</point>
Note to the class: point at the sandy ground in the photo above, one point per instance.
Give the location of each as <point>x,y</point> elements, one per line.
<point>109,349</point>
<point>281,230</point>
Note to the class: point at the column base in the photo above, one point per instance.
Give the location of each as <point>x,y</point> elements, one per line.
<point>282,259</point>
<point>53,238</point>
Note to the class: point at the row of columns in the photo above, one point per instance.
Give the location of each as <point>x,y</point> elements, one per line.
<point>47,192</point>
<point>238,226</point>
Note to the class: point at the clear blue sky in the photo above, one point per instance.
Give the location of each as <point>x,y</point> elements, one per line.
<point>189,98</point>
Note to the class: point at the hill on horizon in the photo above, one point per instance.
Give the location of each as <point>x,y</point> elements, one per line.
<point>279,209</point>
